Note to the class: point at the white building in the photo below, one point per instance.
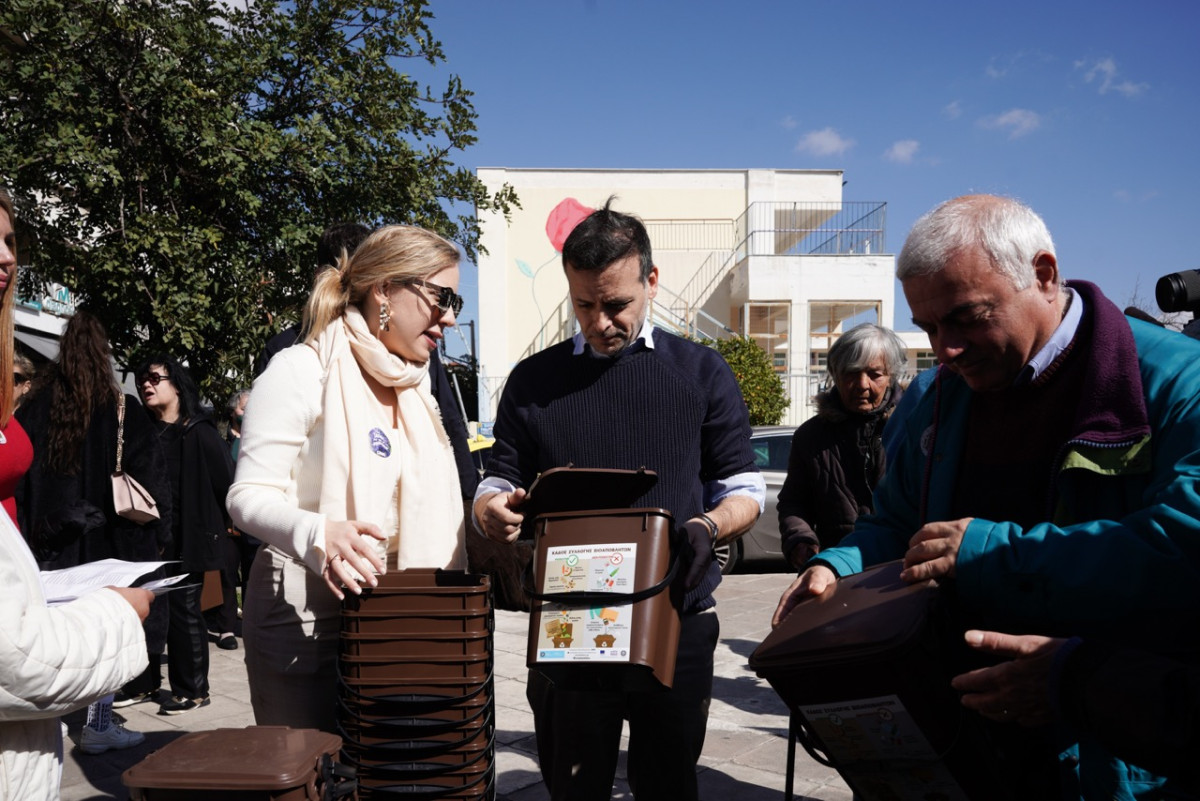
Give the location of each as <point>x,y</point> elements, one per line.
<point>776,255</point>
<point>40,321</point>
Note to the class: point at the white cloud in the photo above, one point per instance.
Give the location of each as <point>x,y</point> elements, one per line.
<point>789,122</point>
<point>952,110</point>
<point>999,66</point>
<point>825,142</point>
<point>1104,72</point>
<point>903,151</point>
<point>1018,122</point>
<point>1144,196</point>
<point>1131,89</point>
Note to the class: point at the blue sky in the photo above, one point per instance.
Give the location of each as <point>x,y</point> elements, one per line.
<point>1086,111</point>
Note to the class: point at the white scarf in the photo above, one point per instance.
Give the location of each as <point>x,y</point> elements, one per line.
<point>367,464</point>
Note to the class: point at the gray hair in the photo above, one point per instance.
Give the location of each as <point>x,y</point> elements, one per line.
<point>235,399</point>
<point>861,345</point>
<point>1008,232</point>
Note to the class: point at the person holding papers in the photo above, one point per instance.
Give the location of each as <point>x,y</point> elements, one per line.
<point>52,659</point>
<point>65,504</point>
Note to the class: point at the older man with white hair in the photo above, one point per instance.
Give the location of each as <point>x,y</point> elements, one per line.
<point>1051,470</point>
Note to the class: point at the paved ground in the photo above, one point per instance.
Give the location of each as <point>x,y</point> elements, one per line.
<point>745,753</point>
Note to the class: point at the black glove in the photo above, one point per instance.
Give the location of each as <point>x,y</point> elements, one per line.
<point>698,552</point>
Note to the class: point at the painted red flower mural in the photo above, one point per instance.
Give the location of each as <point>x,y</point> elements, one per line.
<point>563,219</point>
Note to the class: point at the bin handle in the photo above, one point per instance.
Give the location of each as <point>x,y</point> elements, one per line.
<point>381,727</point>
<point>337,780</point>
<point>796,729</point>
<point>418,752</point>
<point>487,752</point>
<point>433,703</point>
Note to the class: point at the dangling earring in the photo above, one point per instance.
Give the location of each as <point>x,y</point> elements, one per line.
<point>385,316</point>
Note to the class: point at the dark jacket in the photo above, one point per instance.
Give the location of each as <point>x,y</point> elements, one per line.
<point>206,471</point>
<point>836,460</point>
<point>1144,707</point>
<point>69,520</point>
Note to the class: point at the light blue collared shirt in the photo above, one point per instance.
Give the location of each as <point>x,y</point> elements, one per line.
<point>751,485</point>
<point>1058,341</point>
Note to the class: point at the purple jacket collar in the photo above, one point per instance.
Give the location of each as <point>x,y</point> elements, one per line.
<point>1112,409</point>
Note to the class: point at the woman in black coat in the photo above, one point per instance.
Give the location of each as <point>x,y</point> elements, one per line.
<point>199,472</point>
<point>65,501</point>
<point>837,456</point>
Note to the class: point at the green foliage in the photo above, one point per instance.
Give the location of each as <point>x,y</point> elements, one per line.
<point>173,161</point>
<point>760,384</point>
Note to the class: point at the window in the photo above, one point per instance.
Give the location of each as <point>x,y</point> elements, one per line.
<point>771,452</point>
<point>769,324</point>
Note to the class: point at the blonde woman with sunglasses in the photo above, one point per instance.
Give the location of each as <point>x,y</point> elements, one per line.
<point>345,469</point>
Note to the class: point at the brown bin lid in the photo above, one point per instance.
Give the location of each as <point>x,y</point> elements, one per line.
<point>254,758</point>
<point>573,489</point>
<point>867,612</point>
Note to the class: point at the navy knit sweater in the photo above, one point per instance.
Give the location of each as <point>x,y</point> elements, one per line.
<point>674,408</point>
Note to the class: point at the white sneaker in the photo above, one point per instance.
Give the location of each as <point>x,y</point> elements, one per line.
<point>115,736</point>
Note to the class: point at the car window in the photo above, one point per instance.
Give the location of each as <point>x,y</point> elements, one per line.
<point>771,453</point>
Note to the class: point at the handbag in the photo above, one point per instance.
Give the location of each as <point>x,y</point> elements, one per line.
<point>130,499</point>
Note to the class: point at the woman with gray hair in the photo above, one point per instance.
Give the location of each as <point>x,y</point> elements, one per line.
<point>837,457</point>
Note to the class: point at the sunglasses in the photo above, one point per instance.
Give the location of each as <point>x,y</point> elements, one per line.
<point>446,299</point>
<point>153,378</point>
<point>19,378</point>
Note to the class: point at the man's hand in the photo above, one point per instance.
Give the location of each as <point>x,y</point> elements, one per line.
<point>1016,691</point>
<point>811,582</point>
<point>700,540</point>
<point>497,514</point>
<point>933,551</point>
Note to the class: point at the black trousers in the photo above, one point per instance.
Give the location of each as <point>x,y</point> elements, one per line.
<point>223,618</point>
<point>187,641</point>
<point>579,733</point>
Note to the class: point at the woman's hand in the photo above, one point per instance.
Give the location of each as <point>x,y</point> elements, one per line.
<point>351,556</point>
<point>138,598</point>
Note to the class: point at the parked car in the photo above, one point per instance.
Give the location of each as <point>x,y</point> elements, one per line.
<point>761,545</point>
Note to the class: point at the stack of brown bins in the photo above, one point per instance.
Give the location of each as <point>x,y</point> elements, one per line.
<point>415,704</point>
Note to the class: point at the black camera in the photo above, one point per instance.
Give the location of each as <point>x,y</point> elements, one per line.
<point>1179,292</point>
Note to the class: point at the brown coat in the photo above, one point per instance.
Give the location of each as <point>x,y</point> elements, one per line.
<point>835,462</point>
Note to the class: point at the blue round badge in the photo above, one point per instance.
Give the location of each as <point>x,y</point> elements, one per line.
<point>380,443</point>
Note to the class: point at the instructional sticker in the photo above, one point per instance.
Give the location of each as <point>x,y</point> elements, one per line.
<point>882,730</point>
<point>599,634</point>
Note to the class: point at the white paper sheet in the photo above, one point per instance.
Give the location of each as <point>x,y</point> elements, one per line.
<point>72,582</point>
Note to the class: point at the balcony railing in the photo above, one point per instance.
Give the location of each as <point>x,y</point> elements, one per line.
<point>808,229</point>
<point>698,234</point>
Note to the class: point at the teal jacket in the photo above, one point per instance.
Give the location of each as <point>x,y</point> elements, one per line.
<point>1119,559</point>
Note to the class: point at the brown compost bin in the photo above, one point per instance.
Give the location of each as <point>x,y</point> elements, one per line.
<point>415,703</point>
<point>252,764</point>
<point>865,670</point>
<point>606,608</point>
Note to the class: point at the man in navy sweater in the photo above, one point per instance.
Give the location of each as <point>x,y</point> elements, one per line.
<point>624,395</point>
